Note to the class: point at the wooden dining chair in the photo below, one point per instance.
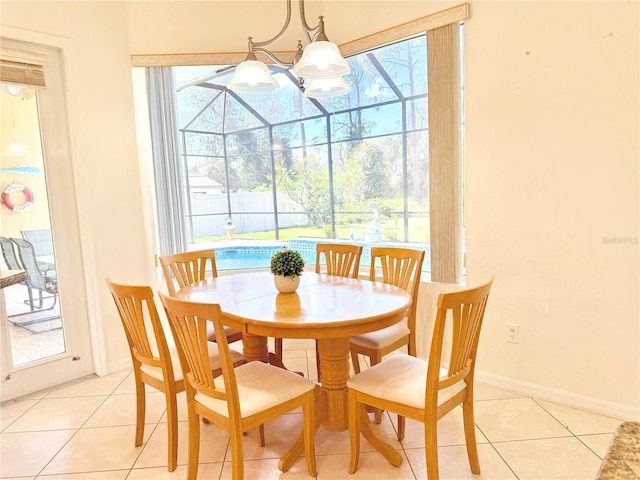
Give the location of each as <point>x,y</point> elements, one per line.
<point>401,267</point>
<point>422,390</point>
<point>340,260</point>
<point>243,398</point>
<point>191,267</point>
<point>160,370</point>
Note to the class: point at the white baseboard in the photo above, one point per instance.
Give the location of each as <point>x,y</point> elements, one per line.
<point>562,397</point>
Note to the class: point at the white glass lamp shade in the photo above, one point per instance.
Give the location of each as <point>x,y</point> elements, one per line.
<point>13,90</point>
<point>321,59</point>
<point>252,76</point>
<point>327,87</point>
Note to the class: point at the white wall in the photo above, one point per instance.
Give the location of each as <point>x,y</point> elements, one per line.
<point>19,126</point>
<point>100,99</point>
<point>551,158</point>
<point>552,171</point>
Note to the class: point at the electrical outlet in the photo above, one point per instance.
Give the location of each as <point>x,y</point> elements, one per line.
<point>513,333</point>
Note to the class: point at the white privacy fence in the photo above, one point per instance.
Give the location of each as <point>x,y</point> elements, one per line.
<point>250,212</point>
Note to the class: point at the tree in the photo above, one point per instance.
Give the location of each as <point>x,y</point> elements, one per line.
<point>307,183</point>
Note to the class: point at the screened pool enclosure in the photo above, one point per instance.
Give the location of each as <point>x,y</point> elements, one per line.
<point>279,165</point>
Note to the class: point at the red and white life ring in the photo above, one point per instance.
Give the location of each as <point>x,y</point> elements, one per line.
<point>15,187</point>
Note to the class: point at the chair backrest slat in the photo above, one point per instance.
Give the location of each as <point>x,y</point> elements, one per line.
<point>135,305</point>
<point>188,322</point>
<point>341,260</point>
<point>464,310</point>
<point>401,267</point>
<point>187,268</point>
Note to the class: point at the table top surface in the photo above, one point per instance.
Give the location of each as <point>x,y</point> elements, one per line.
<point>323,306</point>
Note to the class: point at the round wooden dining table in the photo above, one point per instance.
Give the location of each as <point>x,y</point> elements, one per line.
<point>326,308</point>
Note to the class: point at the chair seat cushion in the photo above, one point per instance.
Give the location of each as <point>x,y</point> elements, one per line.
<point>402,379</point>
<point>260,386</point>
<point>211,333</point>
<point>381,338</point>
<point>214,362</point>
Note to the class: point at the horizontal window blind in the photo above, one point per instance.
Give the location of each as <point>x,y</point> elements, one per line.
<point>22,68</point>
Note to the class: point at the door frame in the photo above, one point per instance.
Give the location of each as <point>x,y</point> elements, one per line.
<point>84,338</point>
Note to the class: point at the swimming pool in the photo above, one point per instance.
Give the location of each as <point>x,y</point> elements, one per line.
<point>241,257</point>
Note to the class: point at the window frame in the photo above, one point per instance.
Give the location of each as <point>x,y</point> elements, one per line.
<point>448,231</point>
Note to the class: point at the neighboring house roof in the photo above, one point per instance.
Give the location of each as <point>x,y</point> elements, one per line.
<point>203,184</point>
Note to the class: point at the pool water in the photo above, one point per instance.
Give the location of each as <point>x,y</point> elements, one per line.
<point>238,258</point>
<point>248,257</point>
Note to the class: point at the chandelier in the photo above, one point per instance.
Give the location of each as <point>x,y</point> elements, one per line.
<point>319,66</point>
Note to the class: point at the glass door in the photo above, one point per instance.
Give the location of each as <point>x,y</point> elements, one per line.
<point>45,333</point>
<point>35,324</point>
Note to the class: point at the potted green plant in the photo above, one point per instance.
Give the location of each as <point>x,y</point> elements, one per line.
<point>286,267</point>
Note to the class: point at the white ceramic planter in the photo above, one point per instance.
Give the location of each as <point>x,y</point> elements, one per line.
<point>286,284</point>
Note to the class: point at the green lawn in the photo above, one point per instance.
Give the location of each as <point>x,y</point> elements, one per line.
<point>390,233</point>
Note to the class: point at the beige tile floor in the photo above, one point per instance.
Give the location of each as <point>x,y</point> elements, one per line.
<point>85,431</point>
<point>46,339</point>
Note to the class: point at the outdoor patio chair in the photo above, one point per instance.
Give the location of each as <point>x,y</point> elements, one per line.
<point>9,254</point>
<point>46,282</point>
<point>40,239</point>
<point>42,245</point>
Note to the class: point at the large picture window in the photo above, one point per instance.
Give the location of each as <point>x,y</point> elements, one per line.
<point>281,165</point>
<point>271,168</point>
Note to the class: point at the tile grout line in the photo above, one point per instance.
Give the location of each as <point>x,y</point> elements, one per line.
<point>46,397</point>
<point>575,435</point>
